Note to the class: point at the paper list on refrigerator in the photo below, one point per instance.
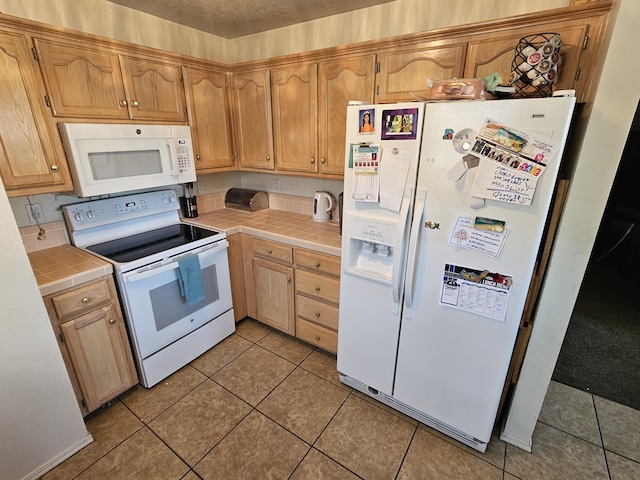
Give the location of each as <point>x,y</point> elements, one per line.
<point>394,168</point>
<point>366,170</point>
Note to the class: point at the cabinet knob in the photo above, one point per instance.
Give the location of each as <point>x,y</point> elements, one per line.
<point>317,314</point>
<point>317,264</point>
<point>55,168</point>
<point>317,338</point>
<point>86,300</point>
<point>317,288</point>
<point>312,161</point>
<point>112,321</point>
<point>268,158</point>
<point>134,103</point>
<point>323,161</point>
<point>197,157</point>
<point>123,103</point>
<point>288,280</point>
<point>269,251</point>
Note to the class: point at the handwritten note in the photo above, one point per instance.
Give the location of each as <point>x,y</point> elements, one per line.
<point>502,184</point>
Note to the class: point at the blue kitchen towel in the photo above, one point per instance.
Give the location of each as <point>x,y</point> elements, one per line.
<point>190,279</point>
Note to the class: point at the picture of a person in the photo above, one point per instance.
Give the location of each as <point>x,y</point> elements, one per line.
<point>366,125</point>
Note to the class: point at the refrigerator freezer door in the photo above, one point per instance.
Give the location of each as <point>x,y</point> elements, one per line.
<point>452,363</point>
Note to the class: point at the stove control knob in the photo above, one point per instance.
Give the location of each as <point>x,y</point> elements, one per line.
<point>78,216</point>
<point>165,200</point>
<point>172,199</point>
<point>91,214</point>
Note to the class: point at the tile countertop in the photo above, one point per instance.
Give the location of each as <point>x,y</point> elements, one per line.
<point>296,229</point>
<point>66,266</point>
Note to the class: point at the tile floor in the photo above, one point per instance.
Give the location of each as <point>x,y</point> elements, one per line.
<point>262,405</point>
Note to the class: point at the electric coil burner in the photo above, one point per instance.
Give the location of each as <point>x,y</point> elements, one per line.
<point>151,250</point>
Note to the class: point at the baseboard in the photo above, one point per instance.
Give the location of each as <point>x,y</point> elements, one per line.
<point>58,459</point>
<point>524,444</point>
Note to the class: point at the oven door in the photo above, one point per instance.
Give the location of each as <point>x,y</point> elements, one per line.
<point>158,314</point>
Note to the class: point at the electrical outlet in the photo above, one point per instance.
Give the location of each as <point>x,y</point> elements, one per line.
<point>34,212</point>
<point>200,188</point>
<point>276,185</point>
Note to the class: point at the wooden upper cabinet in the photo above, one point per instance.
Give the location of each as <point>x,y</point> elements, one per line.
<point>31,156</point>
<point>404,71</point>
<point>495,53</point>
<point>294,91</point>
<point>251,99</point>
<point>210,118</point>
<point>87,82</point>
<point>338,82</point>
<point>154,89</point>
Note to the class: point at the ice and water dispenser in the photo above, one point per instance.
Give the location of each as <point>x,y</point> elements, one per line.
<point>372,248</point>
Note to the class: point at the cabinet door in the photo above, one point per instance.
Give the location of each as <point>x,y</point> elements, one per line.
<point>495,53</point>
<point>99,350</point>
<point>338,82</point>
<point>31,156</point>
<point>274,294</point>
<point>294,93</point>
<point>210,118</point>
<point>154,89</point>
<point>404,72</point>
<point>82,82</point>
<point>252,120</point>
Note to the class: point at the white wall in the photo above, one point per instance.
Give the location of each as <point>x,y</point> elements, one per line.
<point>40,421</point>
<point>613,110</point>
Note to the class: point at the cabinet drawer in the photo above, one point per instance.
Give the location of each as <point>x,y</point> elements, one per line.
<point>272,250</point>
<point>325,288</point>
<point>322,313</point>
<point>81,298</point>
<point>318,262</point>
<point>317,335</point>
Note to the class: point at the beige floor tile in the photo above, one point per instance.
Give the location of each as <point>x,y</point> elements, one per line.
<point>304,404</point>
<point>621,468</point>
<point>620,428</point>
<point>194,424</point>
<point>221,354</point>
<point>366,439</point>
<point>109,426</point>
<point>317,466</point>
<point>254,374</point>
<point>191,476</point>
<point>256,448</point>
<point>572,411</point>
<point>324,364</point>
<point>556,455</point>
<point>286,346</point>
<point>148,403</point>
<point>252,330</point>
<point>432,457</point>
<point>143,456</point>
<point>494,454</point>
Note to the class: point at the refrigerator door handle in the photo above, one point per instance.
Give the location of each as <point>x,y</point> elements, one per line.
<point>398,254</point>
<point>421,198</point>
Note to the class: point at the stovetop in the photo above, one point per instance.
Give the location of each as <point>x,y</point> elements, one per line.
<point>146,244</point>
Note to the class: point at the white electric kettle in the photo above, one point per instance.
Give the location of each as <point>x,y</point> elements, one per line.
<point>322,205</point>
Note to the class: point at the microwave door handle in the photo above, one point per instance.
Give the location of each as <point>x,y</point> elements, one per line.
<point>175,170</point>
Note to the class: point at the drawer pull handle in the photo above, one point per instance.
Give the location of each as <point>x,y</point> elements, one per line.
<point>318,314</point>
<point>317,338</point>
<point>269,251</point>
<point>317,288</point>
<point>112,321</point>
<point>86,300</point>
<point>317,264</point>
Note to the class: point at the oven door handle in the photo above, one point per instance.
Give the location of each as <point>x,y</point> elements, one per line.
<point>137,275</point>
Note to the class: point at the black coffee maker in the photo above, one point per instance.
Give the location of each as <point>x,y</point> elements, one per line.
<point>188,203</point>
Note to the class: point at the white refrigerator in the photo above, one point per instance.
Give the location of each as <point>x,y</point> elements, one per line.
<point>444,210</point>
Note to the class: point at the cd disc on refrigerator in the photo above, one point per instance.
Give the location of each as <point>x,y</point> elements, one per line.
<point>463,140</point>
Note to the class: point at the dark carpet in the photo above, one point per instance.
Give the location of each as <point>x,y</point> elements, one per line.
<point>601,350</point>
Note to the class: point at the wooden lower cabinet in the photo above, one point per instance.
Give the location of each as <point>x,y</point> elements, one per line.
<point>317,298</point>
<point>93,340</point>
<point>274,294</point>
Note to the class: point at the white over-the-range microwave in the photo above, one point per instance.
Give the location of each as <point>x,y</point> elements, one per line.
<point>112,158</point>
